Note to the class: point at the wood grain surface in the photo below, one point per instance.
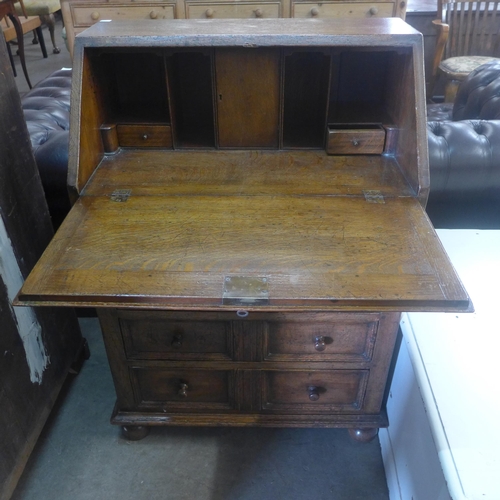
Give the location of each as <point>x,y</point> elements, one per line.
<point>174,251</point>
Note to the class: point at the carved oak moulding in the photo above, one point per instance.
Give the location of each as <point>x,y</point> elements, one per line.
<point>248,217</point>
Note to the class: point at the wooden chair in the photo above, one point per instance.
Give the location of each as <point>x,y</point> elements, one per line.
<point>468,36</point>
<point>30,23</point>
<point>14,27</point>
<point>45,9</point>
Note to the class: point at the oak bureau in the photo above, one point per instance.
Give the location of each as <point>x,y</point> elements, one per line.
<point>248,217</point>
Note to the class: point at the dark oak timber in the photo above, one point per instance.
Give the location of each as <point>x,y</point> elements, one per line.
<point>247,268</point>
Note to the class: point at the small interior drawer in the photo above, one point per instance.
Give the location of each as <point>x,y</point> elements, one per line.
<point>355,139</point>
<point>349,340</point>
<point>144,136</point>
<point>183,388</point>
<point>314,391</point>
<point>176,339</point>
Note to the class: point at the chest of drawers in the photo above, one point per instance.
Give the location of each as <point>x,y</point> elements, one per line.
<point>268,369</point>
<point>78,15</point>
<point>247,268</point>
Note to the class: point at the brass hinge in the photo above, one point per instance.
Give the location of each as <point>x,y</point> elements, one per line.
<point>374,196</point>
<point>120,195</point>
<point>245,290</point>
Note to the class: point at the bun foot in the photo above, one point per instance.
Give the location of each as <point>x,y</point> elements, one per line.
<point>135,432</point>
<point>363,435</point>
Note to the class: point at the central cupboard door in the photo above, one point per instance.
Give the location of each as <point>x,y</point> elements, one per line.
<point>248,97</point>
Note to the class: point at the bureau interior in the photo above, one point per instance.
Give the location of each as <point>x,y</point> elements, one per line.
<point>229,98</point>
<point>252,98</point>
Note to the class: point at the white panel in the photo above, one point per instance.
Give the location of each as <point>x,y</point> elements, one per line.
<point>28,327</point>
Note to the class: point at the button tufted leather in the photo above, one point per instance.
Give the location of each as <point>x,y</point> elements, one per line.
<point>46,111</point>
<point>464,152</point>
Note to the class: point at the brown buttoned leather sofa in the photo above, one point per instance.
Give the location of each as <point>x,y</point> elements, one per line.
<point>464,154</point>
<point>46,110</point>
<point>463,137</point>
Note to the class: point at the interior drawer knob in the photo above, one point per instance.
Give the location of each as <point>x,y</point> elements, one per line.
<point>153,14</point>
<point>95,16</point>
<point>259,13</point>
<point>209,13</point>
<point>355,142</point>
<point>314,12</point>
<point>177,340</point>
<point>183,387</point>
<point>313,392</point>
<point>320,343</point>
<point>373,11</point>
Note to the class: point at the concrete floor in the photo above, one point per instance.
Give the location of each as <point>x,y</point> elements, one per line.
<point>81,456</point>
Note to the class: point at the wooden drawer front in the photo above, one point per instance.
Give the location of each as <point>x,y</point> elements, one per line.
<point>341,9</point>
<point>314,391</point>
<point>89,15</point>
<point>159,136</point>
<point>183,389</point>
<point>160,339</point>
<point>356,140</point>
<point>230,10</point>
<point>350,340</point>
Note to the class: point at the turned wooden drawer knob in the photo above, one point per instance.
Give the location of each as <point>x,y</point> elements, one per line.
<point>319,343</point>
<point>259,12</point>
<point>209,13</point>
<point>183,387</point>
<point>177,340</point>
<point>94,16</point>
<point>313,393</point>
<point>153,15</point>
<point>314,12</point>
<point>373,11</point>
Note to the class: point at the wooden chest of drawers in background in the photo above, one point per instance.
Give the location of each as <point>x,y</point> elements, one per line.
<point>79,15</point>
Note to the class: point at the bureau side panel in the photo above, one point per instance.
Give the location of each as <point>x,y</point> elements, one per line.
<point>86,148</point>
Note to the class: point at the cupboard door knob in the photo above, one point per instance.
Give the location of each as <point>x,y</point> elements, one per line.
<point>209,13</point>
<point>259,13</point>
<point>313,393</point>
<point>153,15</point>
<point>177,340</point>
<point>94,16</point>
<point>373,11</point>
<point>319,343</point>
<point>183,387</point>
<point>314,12</point>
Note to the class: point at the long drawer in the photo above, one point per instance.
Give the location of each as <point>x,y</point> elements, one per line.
<point>343,9</point>
<point>349,338</point>
<point>314,391</point>
<point>183,390</point>
<point>159,335</point>
<point>271,337</point>
<point>88,15</point>
<point>235,10</point>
